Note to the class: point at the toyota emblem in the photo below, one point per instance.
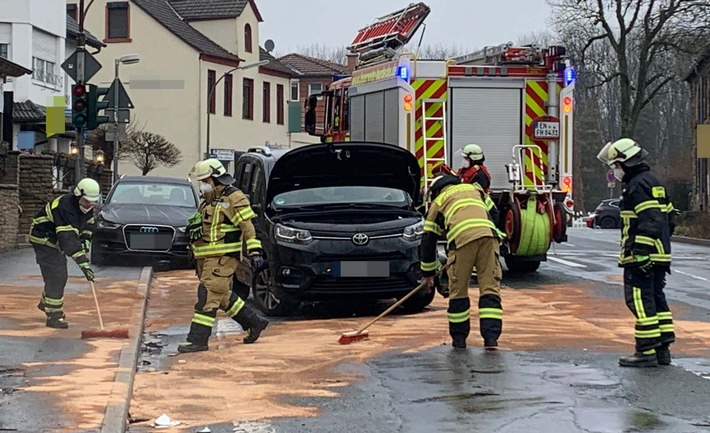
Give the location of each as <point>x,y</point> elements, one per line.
<point>360,239</point>
<point>149,229</point>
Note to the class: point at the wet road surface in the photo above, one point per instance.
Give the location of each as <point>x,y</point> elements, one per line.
<point>557,371</point>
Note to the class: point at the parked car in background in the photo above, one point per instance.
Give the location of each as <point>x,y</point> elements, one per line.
<point>145,218</point>
<point>607,215</point>
<point>336,221</point>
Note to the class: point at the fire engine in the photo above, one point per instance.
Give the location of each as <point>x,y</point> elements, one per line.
<point>516,102</point>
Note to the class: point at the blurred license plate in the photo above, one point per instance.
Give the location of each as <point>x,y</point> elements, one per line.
<point>361,269</point>
<point>150,241</point>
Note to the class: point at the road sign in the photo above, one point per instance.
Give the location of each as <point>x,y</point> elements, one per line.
<point>124,115</point>
<point>222,154</point>
<point>91,66</point>
<point>111,133</point>
<point>610,176</point>
<point>611,185</point>
<point>123,100</point>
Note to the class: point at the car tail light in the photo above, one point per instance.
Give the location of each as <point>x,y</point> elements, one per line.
<point>569,203</point>
<point>598,210</point>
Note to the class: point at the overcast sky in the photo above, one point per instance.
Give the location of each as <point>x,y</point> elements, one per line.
<point>464,23</point>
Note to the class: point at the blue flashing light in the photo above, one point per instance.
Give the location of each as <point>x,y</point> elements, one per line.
<point>570,75</point>
<point>403,73</point>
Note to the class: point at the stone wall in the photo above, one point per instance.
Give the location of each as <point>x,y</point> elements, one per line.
<point>9,214</point>
<point>35,185</point>
<point>10,168</point>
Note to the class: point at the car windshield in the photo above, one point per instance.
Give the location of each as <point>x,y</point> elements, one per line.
<point>153,194</point>
<point>341,195</point>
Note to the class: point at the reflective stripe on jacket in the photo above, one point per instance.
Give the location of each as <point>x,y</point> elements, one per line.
<point>646,218</point>
<point>226,221</point>
<point>62,225</point>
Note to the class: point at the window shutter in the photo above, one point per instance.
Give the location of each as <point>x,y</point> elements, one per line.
<point>44,46</point>
<point>5,33</point>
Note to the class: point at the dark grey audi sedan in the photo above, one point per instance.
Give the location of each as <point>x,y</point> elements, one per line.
<point>144,218</point>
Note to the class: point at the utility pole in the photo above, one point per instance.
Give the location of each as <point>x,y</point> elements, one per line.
<point>115,125</point>
<point>80,46</point>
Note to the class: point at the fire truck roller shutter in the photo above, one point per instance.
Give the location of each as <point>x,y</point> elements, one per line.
<point>357,118</point>
<point>490,117</point>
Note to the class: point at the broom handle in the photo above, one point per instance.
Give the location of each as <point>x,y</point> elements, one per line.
<point>96,301</point>
<point>397,304</point>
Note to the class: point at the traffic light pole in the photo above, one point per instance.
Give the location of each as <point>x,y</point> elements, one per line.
<point>115,128</point>
<point>80,44</point>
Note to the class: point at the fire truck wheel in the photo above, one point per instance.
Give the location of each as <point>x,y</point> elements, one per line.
<point>559,232</point>
<point>511,224</point>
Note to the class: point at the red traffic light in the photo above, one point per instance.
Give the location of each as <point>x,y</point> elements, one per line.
<point>79,90</point>
<point>567,100</point>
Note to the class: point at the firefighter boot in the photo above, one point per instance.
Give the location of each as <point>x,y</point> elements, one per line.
<point>196,339</point>
<point>40,306</point>
<point>647,358</point>
<point>251,322</point>
<point>663,354</point>
<point>458,342</point>
<point>57,321</point>
<point>490,344</point>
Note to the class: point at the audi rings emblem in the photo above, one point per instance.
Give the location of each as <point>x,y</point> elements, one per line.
<point>149,229</point>
<point>361,239</point>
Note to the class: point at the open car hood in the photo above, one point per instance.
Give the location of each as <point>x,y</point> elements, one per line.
<point>345,164</point>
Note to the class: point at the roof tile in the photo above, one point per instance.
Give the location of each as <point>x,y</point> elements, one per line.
<point>310,66</point>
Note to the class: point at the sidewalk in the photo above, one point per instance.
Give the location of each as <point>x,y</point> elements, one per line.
<point>51,380</point>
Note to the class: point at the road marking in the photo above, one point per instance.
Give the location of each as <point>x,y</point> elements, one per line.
<point>566,262</point>
<point>567,244</point>
<point>691,275</point>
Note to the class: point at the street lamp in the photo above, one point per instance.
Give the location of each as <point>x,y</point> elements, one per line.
<point>214,86</point>
<point>128,59</point>
<point>99,157</point>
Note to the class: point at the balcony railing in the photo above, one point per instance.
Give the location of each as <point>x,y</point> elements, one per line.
<point>51,79</point>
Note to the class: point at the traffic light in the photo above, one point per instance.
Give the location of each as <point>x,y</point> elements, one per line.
<point>79,105</point>
<point>94,106</point>
<point>567,104</point>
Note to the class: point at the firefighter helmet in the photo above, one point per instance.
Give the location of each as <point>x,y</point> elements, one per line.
<point>211,168</point>
<point>623,151</point>
<point>472,152</point>
<point>88,189</point>
<point>439,183</point>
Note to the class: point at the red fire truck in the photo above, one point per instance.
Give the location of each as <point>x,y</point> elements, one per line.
<point>515,102</point>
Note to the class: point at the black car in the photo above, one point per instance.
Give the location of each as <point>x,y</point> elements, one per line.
<point>145,217</point>
<point>336,220</point>
<point>608,214</point>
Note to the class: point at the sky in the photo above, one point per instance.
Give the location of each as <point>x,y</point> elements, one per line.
<point>463,23</point>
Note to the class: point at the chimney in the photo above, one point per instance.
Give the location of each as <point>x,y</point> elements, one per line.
<point>352,62</point>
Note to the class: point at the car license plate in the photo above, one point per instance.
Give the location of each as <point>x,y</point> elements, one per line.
<point>150,241</point>
<point>361,269</point>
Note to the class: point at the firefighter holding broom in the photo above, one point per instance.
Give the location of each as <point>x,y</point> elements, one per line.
<point>222,222</point>
<point>463,213</point>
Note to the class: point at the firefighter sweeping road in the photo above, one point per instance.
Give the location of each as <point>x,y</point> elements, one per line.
<point>556,370</point>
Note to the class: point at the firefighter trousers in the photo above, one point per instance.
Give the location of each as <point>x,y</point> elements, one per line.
<point>484,254</point>
<point>53,266</point>
<point>645,297</point>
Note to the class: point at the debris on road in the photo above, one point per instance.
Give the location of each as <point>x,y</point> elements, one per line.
<point>164,421</point>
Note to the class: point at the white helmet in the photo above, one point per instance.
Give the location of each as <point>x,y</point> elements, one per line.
<point>472,152</point>
<point>211,168</point>
<point>88,189</point>
<point>624,150</point>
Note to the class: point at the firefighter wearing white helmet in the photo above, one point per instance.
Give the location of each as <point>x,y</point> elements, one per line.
<point>648,224</point>
<point>63,228</point>
<point>217,230</point>
<point>473,169</point>
<point>461,212</point>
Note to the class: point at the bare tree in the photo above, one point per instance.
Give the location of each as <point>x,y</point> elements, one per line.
<point>333,54</point>
<point>97,140</point>
<point>148,151</point>
<point>638,35</point>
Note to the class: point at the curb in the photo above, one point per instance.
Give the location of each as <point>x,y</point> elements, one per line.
<point>116,416</point>
<point>692,241</point>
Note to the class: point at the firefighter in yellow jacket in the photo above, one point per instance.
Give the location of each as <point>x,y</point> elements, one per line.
<point>465,213</point>
<point>217,230</point>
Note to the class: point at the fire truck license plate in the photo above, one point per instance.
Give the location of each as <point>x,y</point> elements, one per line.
<point>547,130</point>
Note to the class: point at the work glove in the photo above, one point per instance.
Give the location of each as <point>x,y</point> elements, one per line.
<point>86,244</point>
<point>643,263</point>
<point>88,272</point>
<point>257,261</point>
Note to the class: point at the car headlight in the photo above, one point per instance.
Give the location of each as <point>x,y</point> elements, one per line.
<point>414,232</point>
<point>103,224</point>
<point>293,236</point>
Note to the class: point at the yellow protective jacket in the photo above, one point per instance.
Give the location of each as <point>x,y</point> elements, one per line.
<point>62,225</point>
<point>226,222</point>
<point>463,213</point>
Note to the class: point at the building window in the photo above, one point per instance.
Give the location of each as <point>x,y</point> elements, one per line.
<point>44,71</point>
<point>280,104</point>
<point>228,87</point>
<point>117,21</point>
<point>211,99</point>
<point>315,89</point>
<point>295,91</point>
<point>248,99</point>
<point>266,102</point>
<point>5,51</point>
<point>72,11</point>
<point>247,38</point>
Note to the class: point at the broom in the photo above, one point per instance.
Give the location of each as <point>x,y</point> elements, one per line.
<point>102,333</point>
<point>362,334</point>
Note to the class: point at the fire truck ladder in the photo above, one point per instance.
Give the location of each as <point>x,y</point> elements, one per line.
<point>428,124</point>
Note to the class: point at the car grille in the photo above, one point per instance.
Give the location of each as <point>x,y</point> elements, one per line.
<point>365,257</point>
<point>360,285</point>
<point>145,237</point>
